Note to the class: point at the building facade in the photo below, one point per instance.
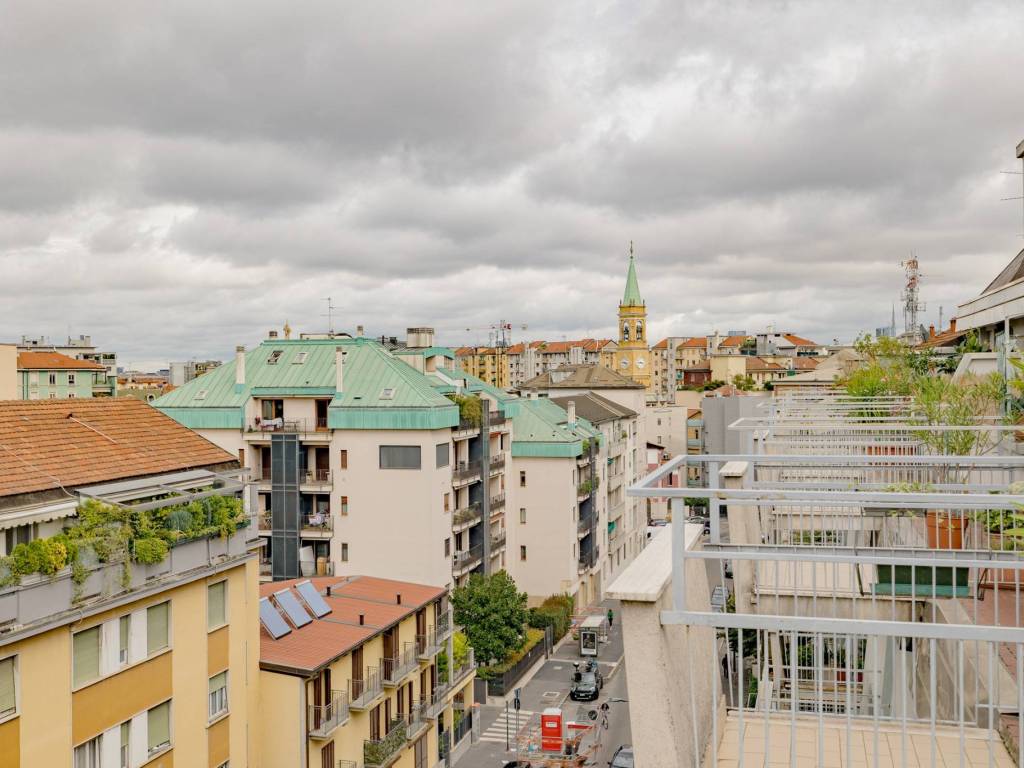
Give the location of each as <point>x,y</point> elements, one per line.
<point>79,348</point>
<point>122,662</point>
<point>54,376</point>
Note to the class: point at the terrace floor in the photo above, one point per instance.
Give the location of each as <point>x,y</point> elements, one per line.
<point>980,747</point>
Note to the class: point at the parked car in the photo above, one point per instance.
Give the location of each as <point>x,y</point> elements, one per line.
<point>586,686</point>
<point>623,757</point>
<point>705,522</point>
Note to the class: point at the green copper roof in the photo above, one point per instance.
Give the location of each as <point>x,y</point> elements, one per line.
<point>540,429</point>
<point>631,298</point>
<point>380,391</point>
<point>426,352</point>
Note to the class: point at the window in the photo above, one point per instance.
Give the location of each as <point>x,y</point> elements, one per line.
<point>327,755</point>
<point>158,726</point>
<point>126,741</point>
<point>53,395</point>
<point>443,458</point>
<point>344,459</point>
<point>200,395</point>
<point>8,697</point>
<point>447,552</point>
<point>52,379</point>
<point>344,551</point>
<point>344,505</point>
<point>157,619</point>
<point>522,552</point>
<point>85,656</point>
<point>388,393</point>
<point>447,502</point>
<point>522,478</point>
<point>522,515</point>
<point>275,356</point>
<point>216,605</point>
<point>71,379</point>
<point>123,633</point>
<point>399,457</point>
<point>21,534</point>
<point>218,694</point>
<point>71,395</point>
<point>88,755</point>
<point>300,358</point>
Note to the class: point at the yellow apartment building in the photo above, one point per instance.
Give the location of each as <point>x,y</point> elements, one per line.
<point>117,648</point>
<point>354,671</point>
<point>490,364</point>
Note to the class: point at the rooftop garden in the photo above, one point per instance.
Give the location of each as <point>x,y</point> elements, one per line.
<point>107,533</point>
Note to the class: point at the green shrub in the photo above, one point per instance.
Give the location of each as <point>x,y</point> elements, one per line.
<point>150,551</point>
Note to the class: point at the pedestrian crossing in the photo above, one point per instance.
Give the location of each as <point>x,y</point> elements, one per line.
<point>514,720</point>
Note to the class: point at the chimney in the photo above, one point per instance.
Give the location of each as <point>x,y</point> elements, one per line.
<point>362,619</point>
<point>359,331</point>
<point>571,409</point>
<point>239,366</point>
<point>339,369</point>
<point>931,331</point>
<point>952,323</point>
<point>272,335</point>
<point>398,598</point>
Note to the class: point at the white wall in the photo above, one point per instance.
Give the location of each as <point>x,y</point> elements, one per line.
<point>8,372</point>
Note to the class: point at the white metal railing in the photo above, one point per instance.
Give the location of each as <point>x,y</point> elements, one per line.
<point>878,588</point>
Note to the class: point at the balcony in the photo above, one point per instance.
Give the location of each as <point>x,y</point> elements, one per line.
<point>363,693</point>
<point>585,525</point>
<point>466,428</point>
<point>260,429</point>
<point>497,463</point>
<point>465,472</point>
<point>434,706</point>
<point>497,542</point>
<point>320,477</point>
<point>467,560</point>
<point>497,503</point>
<point>317,525</point>
<point>615,481</point>
<point>584,489</point>
<point>402,731</point>
<point>324,719</point>
<point>430,644</point>
<point>466,517</point>
<point>265,524</point>
<point>393,669</point>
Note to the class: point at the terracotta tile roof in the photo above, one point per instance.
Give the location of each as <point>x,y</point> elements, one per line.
<point>465,351</point>
<point>571,376</point>
<point>805,363</point>
<point>697,342</point>
<point>663,344</point>
<point>733,341</point>
<point>323,640</point>
<point>42,361</point>
<point>46,444</point>
<point>948,338</point>
<point>517,349</point>
<point>759,365</point>
<point>799,340</point>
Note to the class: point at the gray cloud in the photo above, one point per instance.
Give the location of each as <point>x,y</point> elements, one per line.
<point>177,179</point>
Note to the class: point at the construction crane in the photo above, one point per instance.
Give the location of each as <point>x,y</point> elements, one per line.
<point>499,334</point>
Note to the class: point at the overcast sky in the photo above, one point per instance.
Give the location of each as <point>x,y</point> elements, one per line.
<point>177,178</point>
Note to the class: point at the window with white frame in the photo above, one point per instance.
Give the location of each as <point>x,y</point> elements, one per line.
<point>71,379</point>
<point>8,687</point>
<point>218,694</point>
<point>124,638</point>
<point>52,379</point>
<point>87,755</point>
<point>125,751</point>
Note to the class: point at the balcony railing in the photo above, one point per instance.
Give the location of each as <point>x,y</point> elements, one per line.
<point>393,669</point>
<point>316,477</point>
<point>467,516</point>
<point>324,719</point>
<point>363,692</point>
<point>585,524</point>
<point>497,503</point>
<point>264,474</point>
<point>497,462</point>
<point>321,423</point>
<point>262,425</point>
<point>468,559</point>
<point>317,521</point>
<point>265,522</point>
<point>430,644</point>
<point>435,704</point>
<point>466,471</point>
<point>402,730</point>
<point>497,541</point>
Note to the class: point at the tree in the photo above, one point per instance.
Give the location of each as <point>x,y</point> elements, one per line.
<point>743,383</point>
<point>493,612</point>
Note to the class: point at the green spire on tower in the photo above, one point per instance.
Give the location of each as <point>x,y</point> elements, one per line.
<point>631,298</point>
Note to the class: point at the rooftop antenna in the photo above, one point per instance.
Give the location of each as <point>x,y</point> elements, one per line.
<point>1020,156</point>
<point>329,315</point>
<point>911,301</point>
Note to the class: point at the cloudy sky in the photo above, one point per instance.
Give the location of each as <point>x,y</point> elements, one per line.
<point>177,178</point>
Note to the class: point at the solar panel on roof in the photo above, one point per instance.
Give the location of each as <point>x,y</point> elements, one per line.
<point>271,619</point>
<point>312,598</point>
<point>291,606</point>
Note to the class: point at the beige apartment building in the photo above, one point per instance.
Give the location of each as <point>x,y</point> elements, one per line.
<point>8,372</point>
<point>354,671</point>
<point>123,660</point>
<point>529,359</point>
<point>361,462</point>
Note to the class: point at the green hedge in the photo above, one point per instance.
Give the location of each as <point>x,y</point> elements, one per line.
<point>533,636</point>
<point>555,612</point>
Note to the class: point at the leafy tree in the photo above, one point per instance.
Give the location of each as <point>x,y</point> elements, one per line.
<point>493,612</point>
<point>743,383</point>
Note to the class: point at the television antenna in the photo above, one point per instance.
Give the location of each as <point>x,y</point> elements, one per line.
<point>1018,197</point>
<point>329,315</point>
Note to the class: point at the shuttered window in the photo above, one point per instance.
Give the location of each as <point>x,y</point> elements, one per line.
<point>8,701</point>
<point>86,653</point>
<point>400,457</point>
<point>216,605</point>
<point>157,620</point>
<point>158,724</point>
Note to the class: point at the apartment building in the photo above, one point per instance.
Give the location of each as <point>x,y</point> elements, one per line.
<point>558,527</point>
<point>9,377</point>
<point>533,358</point>
<point>51,375</point>
<point>489,364</point>
<point>360,671</point>
<point>79,348</point>
<point>361,461</point>
<point>182,373</point>
<point>122,650</point>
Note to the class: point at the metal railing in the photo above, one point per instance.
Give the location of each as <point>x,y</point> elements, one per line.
<point>320,521</point>
<point>877,614</point>
<point>363,691</point>
<point>430,644</point>
<point>467,516</point>
<point>497,503</point>
<point>324,719</point>
<point>260,424</point>
<point>315,476</point>
<point>466,470</point>
<point>497,462</point>
<point>393,669</point>
<point>467,559</point>
<point>497,541</point>
<point>382,752</point>
<point>585,524</point>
